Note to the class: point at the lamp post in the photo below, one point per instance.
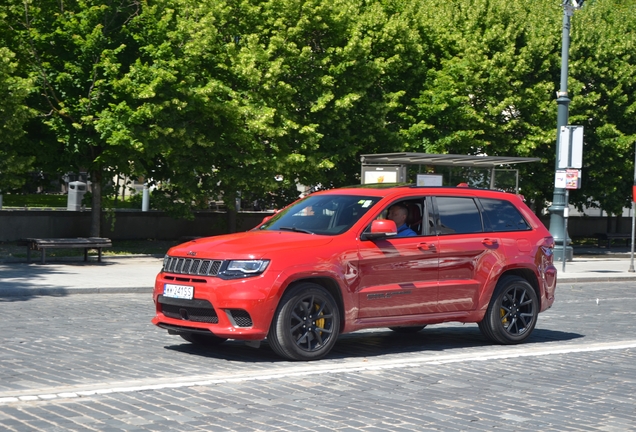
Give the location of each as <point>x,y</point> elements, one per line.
<point>559,203</point>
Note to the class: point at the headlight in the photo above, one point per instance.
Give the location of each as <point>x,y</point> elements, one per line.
<point>165,261</point>
<point>244,268</point>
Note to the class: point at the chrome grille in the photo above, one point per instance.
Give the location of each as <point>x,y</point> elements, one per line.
<point>192,266</point>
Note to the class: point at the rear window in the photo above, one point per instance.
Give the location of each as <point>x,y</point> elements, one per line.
<point>502,215</point>
<point>458,215</point>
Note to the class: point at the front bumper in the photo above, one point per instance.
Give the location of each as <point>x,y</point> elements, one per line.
<point>233,309</point>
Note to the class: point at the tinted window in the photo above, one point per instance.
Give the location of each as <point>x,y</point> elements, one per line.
<point>322,214</point>
<point>458,216</point>
<point>503,216</point>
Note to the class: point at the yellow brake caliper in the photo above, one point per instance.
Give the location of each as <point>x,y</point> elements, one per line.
<point>502,313</point>
<point>320,323</point>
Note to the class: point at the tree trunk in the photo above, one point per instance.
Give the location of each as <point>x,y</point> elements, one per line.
<point>96,203</point>
<point>231,220</point>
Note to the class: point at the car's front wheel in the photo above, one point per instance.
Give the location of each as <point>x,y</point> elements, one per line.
<point>306,323</point>
<point>512,312</point>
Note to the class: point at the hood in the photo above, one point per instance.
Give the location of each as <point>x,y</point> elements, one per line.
<point>247,245</point>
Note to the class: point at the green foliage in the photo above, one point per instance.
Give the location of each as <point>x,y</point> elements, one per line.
<point>61,200</point>
<point>39,200</point>
<point>13,115</point>
<point>493,92</point>
<point>213,99</point>
<point>603,82</point>
<point>72,52</point>
<point>220,102</point>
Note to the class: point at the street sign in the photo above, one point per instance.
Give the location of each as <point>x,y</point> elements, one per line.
<point>570,147</point>
<point>572,179</point>
<point>568,179</point>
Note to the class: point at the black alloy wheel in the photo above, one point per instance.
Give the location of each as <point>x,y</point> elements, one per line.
<point>306,324</point>
<point>512,313</point>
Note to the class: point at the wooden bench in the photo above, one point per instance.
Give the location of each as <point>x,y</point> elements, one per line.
<point>608,237</point>
<point>42,244</point>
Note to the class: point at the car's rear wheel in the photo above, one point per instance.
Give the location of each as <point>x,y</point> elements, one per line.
<point>306,323</point>
<point>512,313</point>
<point>409,329</point>
<point>202,339</point>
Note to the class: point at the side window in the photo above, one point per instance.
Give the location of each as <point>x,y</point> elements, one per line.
<point>407,215</point>
<point>503,216</point>
<point>458,215</point>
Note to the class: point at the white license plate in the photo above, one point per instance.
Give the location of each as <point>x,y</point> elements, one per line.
<point>178,291</point>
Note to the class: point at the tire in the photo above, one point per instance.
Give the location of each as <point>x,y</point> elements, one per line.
<point>202,339</point>
<point>410,329</point>
<point>512,312</point>
<point>306,323</point>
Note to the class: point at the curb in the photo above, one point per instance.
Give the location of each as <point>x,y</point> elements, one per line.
<point>62,292</point>
<point>574,279</point>
<point>35,259</point>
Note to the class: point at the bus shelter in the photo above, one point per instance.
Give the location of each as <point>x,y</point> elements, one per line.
<point>493,172</point>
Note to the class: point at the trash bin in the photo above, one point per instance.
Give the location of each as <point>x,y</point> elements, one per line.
<point>76,191</point>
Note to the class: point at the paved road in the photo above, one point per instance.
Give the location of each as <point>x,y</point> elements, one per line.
<point>94,362</point>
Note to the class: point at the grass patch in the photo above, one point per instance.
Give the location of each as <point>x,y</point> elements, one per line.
<point>34,200</point>
<point>584,241</point>
<point>61,200</point>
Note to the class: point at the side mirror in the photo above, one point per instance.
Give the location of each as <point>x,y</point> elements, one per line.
<point>266,218</point>
<point>382,228</point>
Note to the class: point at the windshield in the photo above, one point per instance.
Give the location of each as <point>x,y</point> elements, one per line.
<point>322,214</point>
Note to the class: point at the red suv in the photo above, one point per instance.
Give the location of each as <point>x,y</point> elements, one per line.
<point>333,263</point>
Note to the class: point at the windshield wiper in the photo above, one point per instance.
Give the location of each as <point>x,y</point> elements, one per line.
<point>294,229</point>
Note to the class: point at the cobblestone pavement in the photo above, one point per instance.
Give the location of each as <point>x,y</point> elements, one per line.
<point>94,362</point>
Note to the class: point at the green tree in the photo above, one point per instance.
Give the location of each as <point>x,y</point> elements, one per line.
<point>603,89</point>
<point>493,92</point>
<point>13,115</point>
<point>73,50</point>
<point>206,99</point>
<point>226,95</point>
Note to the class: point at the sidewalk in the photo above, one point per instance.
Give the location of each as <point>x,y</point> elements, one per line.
<point>136,274</point>
<point>132,274</point>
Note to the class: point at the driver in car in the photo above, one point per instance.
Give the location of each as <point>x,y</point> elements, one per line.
<point>398,214</point>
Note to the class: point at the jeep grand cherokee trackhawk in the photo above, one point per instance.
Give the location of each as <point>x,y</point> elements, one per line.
<point>331,263</point>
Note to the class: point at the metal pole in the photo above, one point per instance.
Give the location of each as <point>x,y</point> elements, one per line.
<point>145,198</point>
<point>566,212</point>
<point>631,264</point>
<point>558,200</point>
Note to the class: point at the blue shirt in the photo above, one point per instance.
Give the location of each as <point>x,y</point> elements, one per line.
<point>405,231</point>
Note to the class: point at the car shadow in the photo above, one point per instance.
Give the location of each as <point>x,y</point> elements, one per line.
<point>376,343</point>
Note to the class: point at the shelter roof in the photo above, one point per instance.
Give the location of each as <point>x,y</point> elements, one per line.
<point>442,159</point>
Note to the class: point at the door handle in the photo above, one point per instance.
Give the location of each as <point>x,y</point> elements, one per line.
<point>426,246</point>
<point>490,242</point>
